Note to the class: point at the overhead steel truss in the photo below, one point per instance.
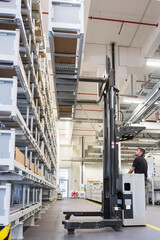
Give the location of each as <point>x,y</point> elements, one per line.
<point>146,106</point>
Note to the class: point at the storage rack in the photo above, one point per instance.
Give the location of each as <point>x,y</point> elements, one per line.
<point>94,190</point>
<point>153,186</point>
<point>66,33</point>
<point>27,126</point>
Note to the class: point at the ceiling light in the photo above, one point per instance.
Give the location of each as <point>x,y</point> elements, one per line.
<point>95,154</point>
<point>148,140</point>
<point>132,100</point>
<point>66,119</point>
<point>153,62</point>
<point>157,103</point>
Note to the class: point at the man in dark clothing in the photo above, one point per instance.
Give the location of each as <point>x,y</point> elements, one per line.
<point>139,164</point>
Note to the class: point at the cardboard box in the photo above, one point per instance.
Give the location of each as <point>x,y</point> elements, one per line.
<point>65,60</point>
<point>43,101</point>
<point>19,156</point>
<point>32,167</point>
<point>36,170</point>
<point>28,163</point>
<point>65,45</point>
<point>39,172</point>
<point>22,69</point>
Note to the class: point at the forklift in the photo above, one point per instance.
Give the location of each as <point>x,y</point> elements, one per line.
<point>111,211</point>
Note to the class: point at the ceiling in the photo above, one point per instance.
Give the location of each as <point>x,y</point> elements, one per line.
<point>99,34</point>
<point>132,35</point>
<point>133,45</point>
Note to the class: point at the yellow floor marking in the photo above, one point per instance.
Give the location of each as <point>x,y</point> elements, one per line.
<point>5,231</point>
<point>153,227</point>
<point>36,225</point>
<point>93,203</point>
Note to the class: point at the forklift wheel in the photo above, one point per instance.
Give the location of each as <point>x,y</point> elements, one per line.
<point>67,217</point>
<point>70,231</point>
<point>117,228</point>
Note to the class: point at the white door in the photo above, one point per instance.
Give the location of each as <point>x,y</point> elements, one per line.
<point>63,185</point>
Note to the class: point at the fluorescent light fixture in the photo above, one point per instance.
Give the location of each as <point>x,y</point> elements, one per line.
<point>157,103</point>
<point>95,154</point>
<point>153,62</point>
<point>65,119</point>
<point>148,140</point>
<point>132,100</point>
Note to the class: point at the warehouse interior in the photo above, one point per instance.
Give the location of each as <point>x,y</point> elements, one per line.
<point>59,60</point>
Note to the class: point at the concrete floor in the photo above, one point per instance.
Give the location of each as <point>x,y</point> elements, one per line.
<point>50,226</point>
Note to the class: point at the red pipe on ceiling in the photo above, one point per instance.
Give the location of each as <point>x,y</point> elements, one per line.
<point>83,135</point>
<point>124,21</point>
<point>88,94</point>
<point>145,149</point>
<point>89,110</point>
<point>83,130</point>
<point>75,129</point>
<point>78,135</point>
<point>45,12</point>
<point>94,94</point>
<point>121,28</point>
<point>88,161</point>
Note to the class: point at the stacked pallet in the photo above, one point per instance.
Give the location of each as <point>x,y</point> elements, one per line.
<point>20,157</point>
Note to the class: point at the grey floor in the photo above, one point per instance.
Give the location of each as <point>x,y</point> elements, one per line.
<point>50,226</point>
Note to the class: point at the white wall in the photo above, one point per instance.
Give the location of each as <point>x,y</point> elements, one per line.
<point>90,171</point>
<point>93,171</point>
<point>75,178</point>
<point>65,153</point>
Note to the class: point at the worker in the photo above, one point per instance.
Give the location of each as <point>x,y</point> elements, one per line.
<point>140,166</point>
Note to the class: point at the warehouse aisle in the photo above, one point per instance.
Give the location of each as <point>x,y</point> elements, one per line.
<point>50,226</point>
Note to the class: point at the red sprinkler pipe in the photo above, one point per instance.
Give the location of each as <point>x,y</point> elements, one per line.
<point>121,28</point>
<point>124,21</point>
<point>45,12</point>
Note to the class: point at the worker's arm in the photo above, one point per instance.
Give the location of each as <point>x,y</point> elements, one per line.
<point>131,170</point>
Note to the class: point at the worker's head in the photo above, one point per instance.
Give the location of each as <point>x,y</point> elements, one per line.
<point>140,152</point>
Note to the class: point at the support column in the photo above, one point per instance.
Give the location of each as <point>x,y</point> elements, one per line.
<point>38,215</point>
<point>17,232</point>
<point>30,221</point>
